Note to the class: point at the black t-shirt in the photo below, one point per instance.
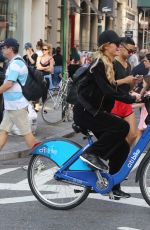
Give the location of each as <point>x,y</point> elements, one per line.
<point>122,72</point>
<point>34,57</point>
<point>58,59</point>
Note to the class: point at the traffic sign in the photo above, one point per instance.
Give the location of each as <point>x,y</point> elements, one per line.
<point>129,33</point>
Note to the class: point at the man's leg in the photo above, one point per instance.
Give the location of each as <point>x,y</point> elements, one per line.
<point>3,138</point>
<point>30,140</point>
<point>20,119</point>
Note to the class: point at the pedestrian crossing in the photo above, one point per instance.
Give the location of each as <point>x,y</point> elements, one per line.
<point>22,185</point>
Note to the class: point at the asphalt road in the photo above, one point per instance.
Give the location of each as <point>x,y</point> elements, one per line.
<point>19,212</point>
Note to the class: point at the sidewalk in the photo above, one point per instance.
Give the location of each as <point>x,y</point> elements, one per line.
<point>16,147</point>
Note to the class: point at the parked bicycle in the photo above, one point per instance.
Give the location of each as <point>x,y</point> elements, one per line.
<point>55,109</point>
<point>67,181</point>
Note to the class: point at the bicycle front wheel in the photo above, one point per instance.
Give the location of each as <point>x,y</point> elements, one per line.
<point>52,110</point>
<point>54,194</point>
<point>144,181</point>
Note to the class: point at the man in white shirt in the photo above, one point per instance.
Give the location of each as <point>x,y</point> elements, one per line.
<point>15,104</point>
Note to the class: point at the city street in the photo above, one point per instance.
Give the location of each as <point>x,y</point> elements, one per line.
<point>20,210</point>
<point>111,40</point>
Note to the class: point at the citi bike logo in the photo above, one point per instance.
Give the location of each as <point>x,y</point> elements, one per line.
<point>133,158</point>
<point>48,150</point>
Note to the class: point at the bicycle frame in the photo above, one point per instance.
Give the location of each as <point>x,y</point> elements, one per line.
<point>61,92</point>
<point>74,170</point>
<point>112,179</point>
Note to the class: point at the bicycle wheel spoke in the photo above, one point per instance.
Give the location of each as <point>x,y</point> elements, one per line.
<point>56,194</point>
<point>145,181</point>
<point>52,110</point>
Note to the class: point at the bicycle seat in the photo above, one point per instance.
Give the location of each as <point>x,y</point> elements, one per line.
<point>79,129</point>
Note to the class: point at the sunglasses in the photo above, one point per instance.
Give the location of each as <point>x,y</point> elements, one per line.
<point>44,49</point>
<point>130,51</point>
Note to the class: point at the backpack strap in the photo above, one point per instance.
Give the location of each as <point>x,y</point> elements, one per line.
<point>21,59</point>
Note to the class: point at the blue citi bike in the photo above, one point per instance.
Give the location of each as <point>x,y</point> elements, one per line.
<point>62,181</point>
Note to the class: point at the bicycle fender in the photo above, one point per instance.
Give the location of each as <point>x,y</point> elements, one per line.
<point>60,150</point>
<point>145,158</point>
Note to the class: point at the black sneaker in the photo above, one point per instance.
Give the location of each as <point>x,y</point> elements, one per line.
<point>94,161</point>
<point>117,194</point>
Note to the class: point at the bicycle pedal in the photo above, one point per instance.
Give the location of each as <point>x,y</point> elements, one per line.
<point>77,191</point>
<point>112,197</point>
<point>92,191</point>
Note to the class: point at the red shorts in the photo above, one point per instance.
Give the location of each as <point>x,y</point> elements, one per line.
<point>122,109</point>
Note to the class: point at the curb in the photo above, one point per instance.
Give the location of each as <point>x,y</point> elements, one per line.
<point>25,152</point>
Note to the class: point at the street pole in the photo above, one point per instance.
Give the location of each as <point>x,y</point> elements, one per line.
<point>144,30</point>
<point>64,37</point>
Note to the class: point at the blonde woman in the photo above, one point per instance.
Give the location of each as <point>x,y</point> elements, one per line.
<point>45,63</point>
<point>96,96</point>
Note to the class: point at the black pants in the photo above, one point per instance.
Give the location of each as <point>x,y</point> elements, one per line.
<point>110,132</point>
<point>44,96</point>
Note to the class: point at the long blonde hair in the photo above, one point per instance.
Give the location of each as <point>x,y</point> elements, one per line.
<point>100,54</point>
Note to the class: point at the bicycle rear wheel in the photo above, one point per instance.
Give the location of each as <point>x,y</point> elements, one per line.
<point>144,181</point>
<point>54,194</point>
<point>52,110</point>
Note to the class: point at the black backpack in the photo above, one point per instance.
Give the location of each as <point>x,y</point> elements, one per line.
<point>35,84</point>
<point>73,84</point>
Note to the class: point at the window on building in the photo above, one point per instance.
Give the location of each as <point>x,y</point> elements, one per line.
<point>130,3</point>
<point>3,19</point>
<point>11,19</point>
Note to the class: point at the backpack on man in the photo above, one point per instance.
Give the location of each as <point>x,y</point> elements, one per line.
<point>35,84</point>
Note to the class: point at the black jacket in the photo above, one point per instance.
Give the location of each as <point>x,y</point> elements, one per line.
<point>95,93</point>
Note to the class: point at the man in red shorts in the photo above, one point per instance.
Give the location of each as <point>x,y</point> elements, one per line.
<point>126,81</point>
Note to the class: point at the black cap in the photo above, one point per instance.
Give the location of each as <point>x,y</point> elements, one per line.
<point>28,45</point>
<point>108,36</point>
<point>127,40</point>
<point>10,42</point>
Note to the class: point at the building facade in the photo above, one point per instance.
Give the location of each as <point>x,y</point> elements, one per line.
<point>23,19</point>
<point>31,20</point>
<point>96,16</point>
<point>144,23</point>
